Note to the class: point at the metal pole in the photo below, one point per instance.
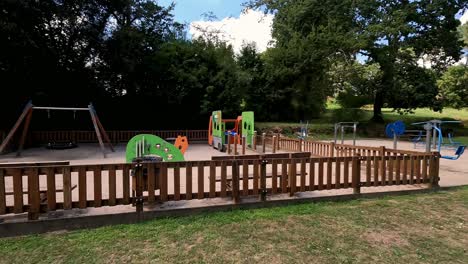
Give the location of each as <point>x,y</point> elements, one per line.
<point>395,139</point>
<point>428,128</point>
<point>336,133</point>
<point>434,135</point>
<point>342,135</point>
<point>354,134</point>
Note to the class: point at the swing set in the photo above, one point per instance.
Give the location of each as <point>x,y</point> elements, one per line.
<point>26,117</point>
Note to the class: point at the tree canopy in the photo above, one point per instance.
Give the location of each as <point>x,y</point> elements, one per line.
<point>136,64</point>
<point>394,34</point>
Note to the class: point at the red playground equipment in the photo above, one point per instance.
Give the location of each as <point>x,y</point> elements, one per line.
<point>236,127</point>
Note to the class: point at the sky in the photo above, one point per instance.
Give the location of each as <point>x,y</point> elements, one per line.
<point>191,10</point>
<point>237,27</point>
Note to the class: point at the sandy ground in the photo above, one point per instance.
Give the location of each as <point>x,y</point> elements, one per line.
<point>452,173</point>
<point>92,154</point>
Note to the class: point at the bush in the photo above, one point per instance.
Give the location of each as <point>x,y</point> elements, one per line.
<point>347,99</point>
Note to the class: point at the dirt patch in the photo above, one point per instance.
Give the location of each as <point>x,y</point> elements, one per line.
<point>386,238</point>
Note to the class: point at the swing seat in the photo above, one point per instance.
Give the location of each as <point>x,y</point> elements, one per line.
<point>458,153</point>
<point>66,145</point>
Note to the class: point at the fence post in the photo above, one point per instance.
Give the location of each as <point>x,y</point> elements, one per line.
<point>434,170</point>
<point>292,176</point>
<point>138,199</point>
<point>300,144</point>
<point>243,145</point>
<point>382,167</point>
<point>263,142</point>
<point>356,174</point>
<point>254,140</point>
<point>229,143</point>
<point>263,192</point>
<point>273,144</point>
<point>33,194</point>
<point>278,146</point>
<point>332,149</point>
<point>236,138</point>
<point>235,182</point>
<point>382,151</point>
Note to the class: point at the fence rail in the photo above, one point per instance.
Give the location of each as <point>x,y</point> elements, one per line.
<point>330,149</point>
<point>116,136</point>
<point>37,189</point>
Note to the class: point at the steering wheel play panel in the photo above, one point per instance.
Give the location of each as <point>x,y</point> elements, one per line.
<point>145,145</point>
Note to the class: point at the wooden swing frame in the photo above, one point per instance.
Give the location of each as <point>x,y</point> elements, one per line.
<point>26,116</point>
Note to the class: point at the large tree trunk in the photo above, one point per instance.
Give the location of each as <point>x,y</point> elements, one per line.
<point>378,104</point>
<point>386,88</point>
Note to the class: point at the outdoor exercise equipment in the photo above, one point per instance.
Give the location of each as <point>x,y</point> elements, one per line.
<point>342,126</point>
<point>304,133</point>
<point>26,117</point>
<point>148,146</point>
<point>460,149</point>
<point>434,128</point>
<point>394,130</point>
<point>218,135</point>
<point>437,140</point>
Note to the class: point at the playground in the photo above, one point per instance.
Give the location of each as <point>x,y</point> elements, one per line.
<point>229,163</point>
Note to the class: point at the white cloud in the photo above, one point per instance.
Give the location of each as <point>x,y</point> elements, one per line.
<point>250,26</point>
<point>464,18</point>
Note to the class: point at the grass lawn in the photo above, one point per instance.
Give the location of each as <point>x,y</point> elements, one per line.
<point>424,228</point>
<point>322,128</point>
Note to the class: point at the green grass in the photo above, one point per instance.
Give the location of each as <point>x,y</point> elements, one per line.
<point>322,128</point>
<point>424,228</point>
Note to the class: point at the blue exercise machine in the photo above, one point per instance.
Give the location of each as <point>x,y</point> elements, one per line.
<point>394,130</point>
<point>435,126</point>
<point>460,149</point>
<point>304,130</point>
<point>435,142</point>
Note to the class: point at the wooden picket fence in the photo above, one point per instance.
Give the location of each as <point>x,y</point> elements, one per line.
<point>37,189</point>
<point>116,136</point>
<point>330,149</point>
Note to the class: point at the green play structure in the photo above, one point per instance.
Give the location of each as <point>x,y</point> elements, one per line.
<point>218,127</point>
<point>147,145</point>
<point>248,127</point>
<point>218,133</point>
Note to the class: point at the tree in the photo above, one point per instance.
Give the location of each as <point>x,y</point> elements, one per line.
<point>354,83</point>
<point>381,30</point>
<point>47,47</point>
<point>453,86</point>
<point>309,38</point>
<point>252,74</point>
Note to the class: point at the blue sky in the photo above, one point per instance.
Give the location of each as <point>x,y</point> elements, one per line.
<point>191,10</point>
